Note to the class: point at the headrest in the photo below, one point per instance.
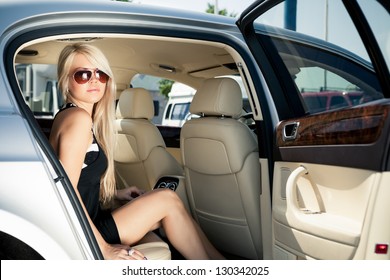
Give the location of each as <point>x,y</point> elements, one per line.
<point>217,97</point>
<point>135,103</point>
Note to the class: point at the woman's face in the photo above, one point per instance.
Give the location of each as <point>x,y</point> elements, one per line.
<point>86,83</point>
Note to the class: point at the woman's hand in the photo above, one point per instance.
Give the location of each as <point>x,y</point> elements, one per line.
<point>122,252</point>
<point>128,193</point>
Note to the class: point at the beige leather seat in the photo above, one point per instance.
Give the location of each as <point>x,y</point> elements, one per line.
<point>221,164</point>
<point>155,250</point>
<point>153,247</point>
<point>140,155</point>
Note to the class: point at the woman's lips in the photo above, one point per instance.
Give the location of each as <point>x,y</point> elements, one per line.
<point>93,90</point>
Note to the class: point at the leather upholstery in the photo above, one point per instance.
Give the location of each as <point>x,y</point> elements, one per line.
<point>140,155</point>
<point>135,103</point>
<point>218,97</point>
<point>155,250</point>
<point>221,164</point>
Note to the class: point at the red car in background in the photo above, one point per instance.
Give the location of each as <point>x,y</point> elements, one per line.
<point>331,99</point>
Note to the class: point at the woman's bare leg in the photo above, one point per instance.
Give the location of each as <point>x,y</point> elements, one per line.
<point>156,208</point>
<point>149,237</point>
<point>212,252</point>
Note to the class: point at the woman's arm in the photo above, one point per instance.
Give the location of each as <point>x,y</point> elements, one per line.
<point>128,193</point>
<point>73,139</point>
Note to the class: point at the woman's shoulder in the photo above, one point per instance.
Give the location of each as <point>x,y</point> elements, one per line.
<point>73,114</point>
<point>70,125</point>
<point>73,118</point>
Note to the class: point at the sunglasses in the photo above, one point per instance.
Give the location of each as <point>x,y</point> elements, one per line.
<point>84,76</point>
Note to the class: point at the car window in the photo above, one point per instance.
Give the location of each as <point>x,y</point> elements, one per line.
<point>320,19</point>
<point>373,12</point>
<point>38,83</point>
<point>152,84</point>
<point>180,111</point>
<point>328,65</point>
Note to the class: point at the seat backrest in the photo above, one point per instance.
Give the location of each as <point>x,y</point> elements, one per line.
<point>222,169</point>
<point>140,155</point>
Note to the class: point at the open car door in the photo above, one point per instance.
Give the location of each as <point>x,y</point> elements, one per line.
<point>326,67</point>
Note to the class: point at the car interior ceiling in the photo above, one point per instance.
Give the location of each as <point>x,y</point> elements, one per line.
<point>181,60</point>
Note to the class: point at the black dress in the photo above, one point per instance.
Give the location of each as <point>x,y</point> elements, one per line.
<point>95,164</point>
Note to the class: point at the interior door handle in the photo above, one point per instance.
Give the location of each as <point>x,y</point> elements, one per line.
<point>328,225</point>
<point>291,192</point>
<point>290,131</point>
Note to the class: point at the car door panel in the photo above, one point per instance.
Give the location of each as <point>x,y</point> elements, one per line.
<point>325,183</point>
<point>319,210</point>
<point>330,169</point>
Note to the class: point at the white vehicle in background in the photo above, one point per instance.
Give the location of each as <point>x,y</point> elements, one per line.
<point>177,110</point>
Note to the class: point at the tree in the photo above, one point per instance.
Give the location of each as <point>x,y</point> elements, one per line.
<point>165,86</point>
<point>223,12</point>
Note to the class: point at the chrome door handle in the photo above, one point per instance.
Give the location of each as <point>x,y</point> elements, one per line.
<point>290,131</point>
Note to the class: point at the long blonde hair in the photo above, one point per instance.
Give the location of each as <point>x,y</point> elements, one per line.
<point>103,113</point>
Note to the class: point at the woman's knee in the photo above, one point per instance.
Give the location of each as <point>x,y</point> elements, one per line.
<point>170,197</point>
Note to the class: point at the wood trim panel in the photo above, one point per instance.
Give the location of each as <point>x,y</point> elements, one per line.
<point>355,137</point>
<point>362,125</point>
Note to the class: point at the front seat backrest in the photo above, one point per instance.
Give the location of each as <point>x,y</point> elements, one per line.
<point>221,164</point>
<point>140,155</point>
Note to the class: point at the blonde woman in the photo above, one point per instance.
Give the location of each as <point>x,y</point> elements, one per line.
<point>83,138</point>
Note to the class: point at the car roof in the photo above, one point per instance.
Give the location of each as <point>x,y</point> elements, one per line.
<point>13,12</point>
<point>150,54</point>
